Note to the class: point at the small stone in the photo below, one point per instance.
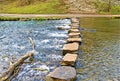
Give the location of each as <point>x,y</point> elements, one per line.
<point>62,28</point>
<point>71,40</point>
<point>69,59</point>
<point>70,48</point>
<point>42,68</point>
<point>63,73</point>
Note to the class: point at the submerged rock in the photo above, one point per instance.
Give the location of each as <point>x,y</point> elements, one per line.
<point>42,68</point>
<point>62,28</point>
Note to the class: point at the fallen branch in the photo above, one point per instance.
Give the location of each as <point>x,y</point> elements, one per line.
<point>14,67</point>
<point>32,42</point>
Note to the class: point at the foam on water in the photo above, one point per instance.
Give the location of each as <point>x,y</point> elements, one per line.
<point>48,43</point>
<point>57,35</point>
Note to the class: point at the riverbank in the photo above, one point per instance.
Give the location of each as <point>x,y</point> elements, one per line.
<point>60,6</point>
<point>49,16</point>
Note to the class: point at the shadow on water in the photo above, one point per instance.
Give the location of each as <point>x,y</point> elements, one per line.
<point>48,40</point>
<point>100,57</point>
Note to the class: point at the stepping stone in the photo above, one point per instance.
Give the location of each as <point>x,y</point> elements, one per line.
<point>69,59</point>
<point>73,35</point>
<point>74,30</point>
<point>71,40</point>
<point>74,20</point>
<point>70,48</point>
<point>64,73</point>
<point>75,25</point>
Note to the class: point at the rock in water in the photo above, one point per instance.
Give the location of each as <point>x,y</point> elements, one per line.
<point>71,40</point>
<point>62,28</point>
<point>70,48</point>
<point>63,73</point>
<point>74,31</point>
<point>73,35</point>
<point>69,59</point>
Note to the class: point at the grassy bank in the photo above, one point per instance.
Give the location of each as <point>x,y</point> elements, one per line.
<point>54,7</point>
<point>48,6</point>
<point>3,18</point>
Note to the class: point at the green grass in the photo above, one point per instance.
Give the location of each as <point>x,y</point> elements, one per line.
<point>115,10</point>
<point>47,7</point>
<point>3,18</point>
<point>9,18</point>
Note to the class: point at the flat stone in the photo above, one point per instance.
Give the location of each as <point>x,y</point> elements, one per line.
<point>75,25</point>
<point>69,59</point>
<point>71,40</point>
<point>73,35</point>
<point>64,73</point>
<point>74,20</point>
<point>73,30</point>
<point>70,48</point>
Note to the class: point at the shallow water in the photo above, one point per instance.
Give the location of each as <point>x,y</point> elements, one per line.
<point>100,57</point>
<point>100,50</point>
<point>48,40</point>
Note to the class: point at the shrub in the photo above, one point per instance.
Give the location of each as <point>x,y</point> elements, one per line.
<point>27,2</point>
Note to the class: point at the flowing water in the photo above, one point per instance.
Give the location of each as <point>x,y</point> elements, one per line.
<point>100,57</point>
<point>48,40</point>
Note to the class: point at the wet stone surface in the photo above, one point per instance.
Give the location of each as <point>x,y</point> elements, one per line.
<point>63,73</point>
<point>48,40</point>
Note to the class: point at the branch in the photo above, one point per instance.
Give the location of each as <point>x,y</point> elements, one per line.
<point>6,76</point>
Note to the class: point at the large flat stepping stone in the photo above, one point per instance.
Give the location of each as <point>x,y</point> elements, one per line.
<point>64,73</point>
<point>69,59</point>
<point>74,30</point>
<point>71,40</point>
<point>74,20</point>
<point>73,35</point>
<point>70,48</point>
<point>75,25</point>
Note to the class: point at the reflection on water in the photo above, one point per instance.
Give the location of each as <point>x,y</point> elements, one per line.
<point>48,40</point>
<point>100,58</point>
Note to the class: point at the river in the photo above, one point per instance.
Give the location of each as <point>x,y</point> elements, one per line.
<point>99,57</point>
<point>14,43</point>
<point>100,50</point>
